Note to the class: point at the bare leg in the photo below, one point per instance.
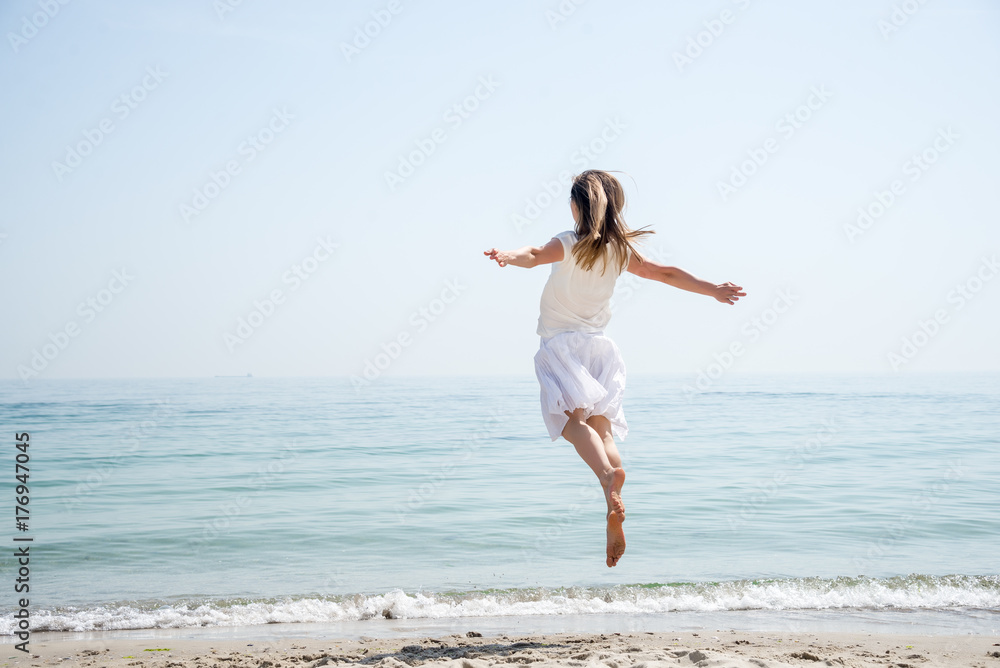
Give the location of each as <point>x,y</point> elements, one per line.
<point>588,443</point>
<point>602,426</point>
<point>592,448</point>
<point>616,549</point>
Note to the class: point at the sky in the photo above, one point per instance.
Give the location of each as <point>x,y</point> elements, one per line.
<point>200,187</point>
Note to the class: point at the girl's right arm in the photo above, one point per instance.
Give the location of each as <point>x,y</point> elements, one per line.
<point>727,293</point>
<point>529,256</point>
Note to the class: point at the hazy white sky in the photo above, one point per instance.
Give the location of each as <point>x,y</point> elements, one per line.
<point>195,188</point>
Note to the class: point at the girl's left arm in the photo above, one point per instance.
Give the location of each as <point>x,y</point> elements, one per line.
<point>727,293</point>
<point>529,256</point>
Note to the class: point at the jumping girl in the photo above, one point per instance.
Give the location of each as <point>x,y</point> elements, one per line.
<point>579,369</point>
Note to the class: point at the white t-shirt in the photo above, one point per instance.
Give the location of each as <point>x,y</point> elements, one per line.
<point>574,299</point>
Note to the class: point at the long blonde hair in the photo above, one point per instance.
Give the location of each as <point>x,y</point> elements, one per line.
<point>599,198</point>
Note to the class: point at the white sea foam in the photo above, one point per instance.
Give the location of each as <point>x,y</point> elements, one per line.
<point>902,593</point>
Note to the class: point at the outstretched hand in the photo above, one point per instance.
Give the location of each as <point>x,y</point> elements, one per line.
<point>501,257</point>
<point>728,293</point>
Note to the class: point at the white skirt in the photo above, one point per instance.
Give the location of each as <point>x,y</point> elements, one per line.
<point>581,370</point>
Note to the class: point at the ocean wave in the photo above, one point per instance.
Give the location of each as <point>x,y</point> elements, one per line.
<point>899,593</point>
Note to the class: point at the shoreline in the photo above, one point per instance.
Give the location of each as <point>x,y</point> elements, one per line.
<point>469,649</point>
<point>925,622</point>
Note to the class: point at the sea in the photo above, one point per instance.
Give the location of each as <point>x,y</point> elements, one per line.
<point>415,505</point>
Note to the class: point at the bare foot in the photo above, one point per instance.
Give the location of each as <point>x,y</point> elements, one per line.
<point>616,539</point>
<point>613,492</point>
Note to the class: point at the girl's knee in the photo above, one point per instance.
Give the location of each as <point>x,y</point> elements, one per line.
<point>600,424</point>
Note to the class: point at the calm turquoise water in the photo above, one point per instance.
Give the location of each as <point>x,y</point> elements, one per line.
<point>172,503</point>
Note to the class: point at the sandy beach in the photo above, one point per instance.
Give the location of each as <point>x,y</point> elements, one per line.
<point>471,650</point>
